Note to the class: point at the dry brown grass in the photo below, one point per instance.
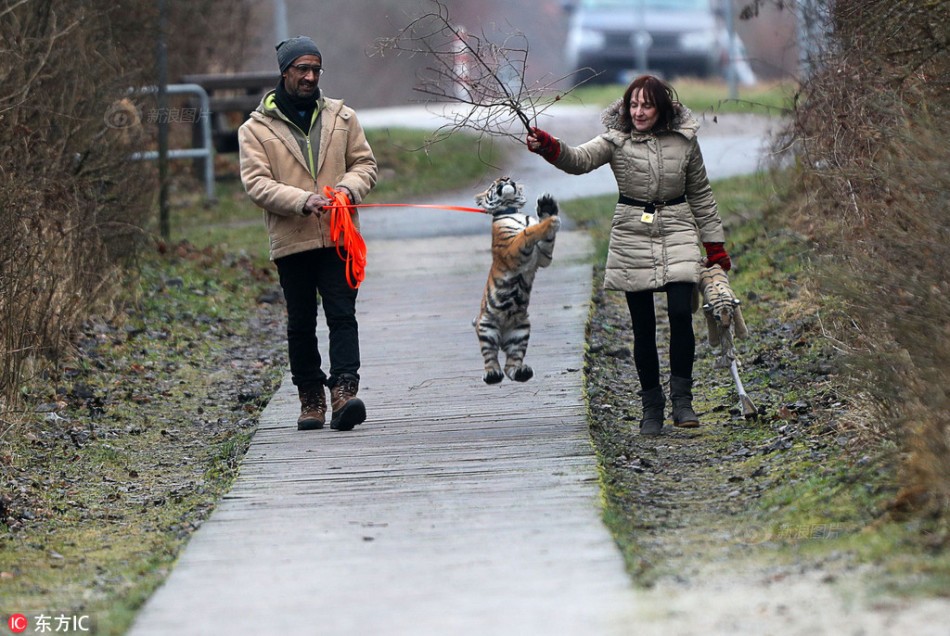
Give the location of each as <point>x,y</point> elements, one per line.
<point>871,129</point>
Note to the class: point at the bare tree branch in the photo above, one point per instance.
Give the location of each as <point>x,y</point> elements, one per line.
<point>20,95</point>
<point>486,78</point>
<point>12,7</point>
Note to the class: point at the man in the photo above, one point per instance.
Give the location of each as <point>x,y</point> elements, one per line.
<point>294,144</point>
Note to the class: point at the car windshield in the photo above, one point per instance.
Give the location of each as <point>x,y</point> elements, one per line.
<point>648,4</point>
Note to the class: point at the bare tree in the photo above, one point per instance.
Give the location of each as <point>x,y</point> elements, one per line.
<point>484,80</point>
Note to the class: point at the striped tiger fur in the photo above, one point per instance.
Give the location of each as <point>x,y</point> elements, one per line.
<point>722,311</point>
<point>520,245</point>
<point>724,319</point>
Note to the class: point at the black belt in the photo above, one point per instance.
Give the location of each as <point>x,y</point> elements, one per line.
<point>650,206</point>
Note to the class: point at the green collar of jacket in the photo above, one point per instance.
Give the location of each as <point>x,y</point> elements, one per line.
<point>307,140</point>
<point>269,107</point>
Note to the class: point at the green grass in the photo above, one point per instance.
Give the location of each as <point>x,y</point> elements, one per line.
<point>704,96</point>
<point>233,224</point>
<point>835,508</point>
<point>154,450</point>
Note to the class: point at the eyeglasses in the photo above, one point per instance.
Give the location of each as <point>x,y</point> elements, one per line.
<point>304,69</point>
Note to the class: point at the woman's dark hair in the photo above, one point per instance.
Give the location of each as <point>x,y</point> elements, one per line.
<point>656,91</point>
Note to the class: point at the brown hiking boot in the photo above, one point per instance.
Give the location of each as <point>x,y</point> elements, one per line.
<point>313,408</point>
<point>348,410</point>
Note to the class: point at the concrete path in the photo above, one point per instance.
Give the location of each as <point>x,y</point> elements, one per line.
<point>457,508</point>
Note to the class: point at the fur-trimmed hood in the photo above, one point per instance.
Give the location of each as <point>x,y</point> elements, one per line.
<point>684,122</point>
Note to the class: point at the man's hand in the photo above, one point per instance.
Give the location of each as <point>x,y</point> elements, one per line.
<point>315,205</point>
<point>318,203</point>
<point>346,191</point>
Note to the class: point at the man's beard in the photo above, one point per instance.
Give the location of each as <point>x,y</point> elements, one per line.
<point>305,93</point>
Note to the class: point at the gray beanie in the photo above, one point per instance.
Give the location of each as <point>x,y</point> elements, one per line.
<point>290,50</point>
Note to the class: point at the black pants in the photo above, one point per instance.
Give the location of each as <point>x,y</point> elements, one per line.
<point>303,276</point>
<point>679,298</point>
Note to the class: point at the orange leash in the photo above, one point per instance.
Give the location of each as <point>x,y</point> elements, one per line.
<point>342,227</point>
<point>457,208</point>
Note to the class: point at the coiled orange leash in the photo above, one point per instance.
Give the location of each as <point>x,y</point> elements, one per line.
<point>352,243</point>
<point>341,225</point>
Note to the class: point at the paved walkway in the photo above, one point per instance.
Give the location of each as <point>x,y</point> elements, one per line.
<point>456,509</point>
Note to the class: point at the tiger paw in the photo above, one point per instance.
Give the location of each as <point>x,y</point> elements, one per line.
<point>547,206</point>
<point>521,374</point>
<point>493,377</point>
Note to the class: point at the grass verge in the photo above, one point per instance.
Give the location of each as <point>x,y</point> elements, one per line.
<point>126,449</point>
<point>808,482</point>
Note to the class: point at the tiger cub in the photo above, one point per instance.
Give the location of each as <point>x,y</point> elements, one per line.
<point>520,245</point>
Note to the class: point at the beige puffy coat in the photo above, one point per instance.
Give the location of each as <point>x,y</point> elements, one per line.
<point>652,167</point>
<point>281,169</point>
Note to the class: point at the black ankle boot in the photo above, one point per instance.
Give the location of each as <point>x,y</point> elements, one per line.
<point>653,403</point>
<point>681,396</point>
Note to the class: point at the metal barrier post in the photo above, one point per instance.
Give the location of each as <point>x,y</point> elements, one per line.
<point>206,152</point>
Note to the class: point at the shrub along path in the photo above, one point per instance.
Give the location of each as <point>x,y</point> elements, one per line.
<point>457,508</point>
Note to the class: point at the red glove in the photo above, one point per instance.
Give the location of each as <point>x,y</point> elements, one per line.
<point>544,144</point>
<point>716,255</point>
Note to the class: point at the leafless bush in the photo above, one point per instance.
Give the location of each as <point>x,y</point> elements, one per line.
<point>68,196</point>
<point>74,210</point>
<point>872,132</point>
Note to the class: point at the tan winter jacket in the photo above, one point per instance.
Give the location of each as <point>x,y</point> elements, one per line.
<point>281,166</point>
<point>652,167</point>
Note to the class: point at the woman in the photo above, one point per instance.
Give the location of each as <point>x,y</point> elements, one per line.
<point>666,208</point>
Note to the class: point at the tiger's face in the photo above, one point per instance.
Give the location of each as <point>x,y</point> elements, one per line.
<point>502,196</point>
